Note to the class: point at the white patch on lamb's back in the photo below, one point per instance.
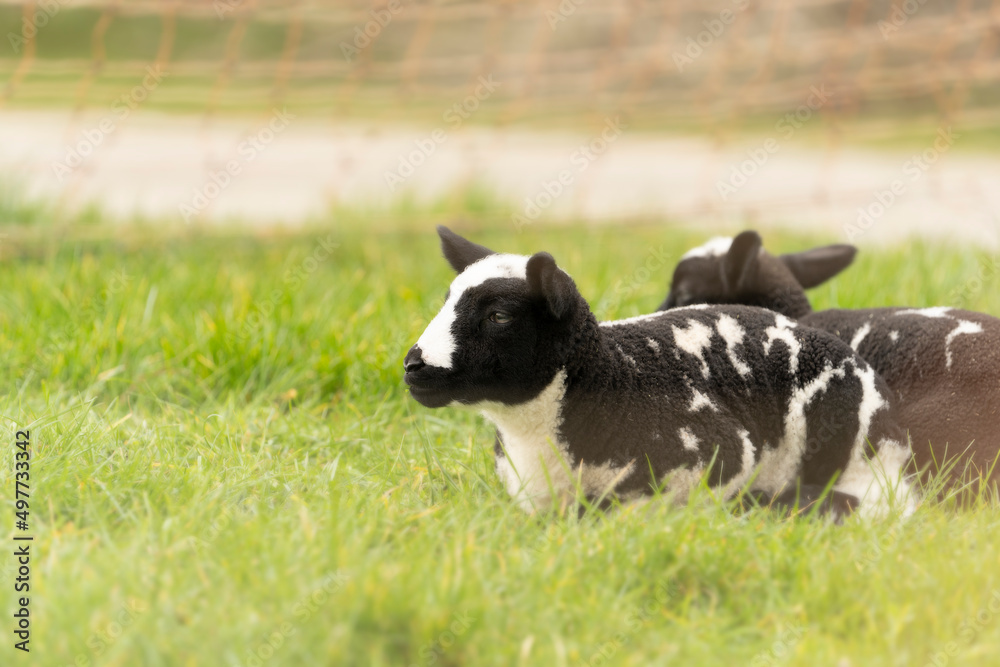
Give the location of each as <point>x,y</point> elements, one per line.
<point>679,483</point>
<point>688,439</point>
<point>877,483</point>
<point>894,336</point>
<point>626,357</point>
<point>782,331</point>
<point>880,484</point>
<point>733,334</point>
<point>695,340</point>
<point>716,247</point>
<point>938,312</point>
<point>653,345</point>
<point>964,327</point>
<point>860,335</point>
<point>700,401</point>
<point>632,320</point>
<point>747,462</point>
<point>437,343</point>
<point>651,316</point>
<point>536,457</point>
<point>780,466</point>
<point>871,402</point>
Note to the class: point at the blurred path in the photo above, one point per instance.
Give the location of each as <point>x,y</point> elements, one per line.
<point>284,170</point>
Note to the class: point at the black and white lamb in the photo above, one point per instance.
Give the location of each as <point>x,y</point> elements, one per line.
<point>740,396</point>
<point>942,364</point>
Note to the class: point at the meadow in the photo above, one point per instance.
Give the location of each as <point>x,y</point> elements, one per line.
<point>228,471</point>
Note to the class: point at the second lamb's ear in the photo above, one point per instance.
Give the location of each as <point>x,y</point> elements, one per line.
<point>547,280</point>
<point>814,267</point>
<point>740,263</point>
<point>460,252</point>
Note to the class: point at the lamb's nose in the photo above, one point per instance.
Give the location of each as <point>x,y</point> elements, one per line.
<point>414,360</point>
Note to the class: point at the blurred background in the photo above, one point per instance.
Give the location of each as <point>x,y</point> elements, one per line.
<point>865,120</point>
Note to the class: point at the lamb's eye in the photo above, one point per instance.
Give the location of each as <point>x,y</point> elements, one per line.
<point>501,317</point>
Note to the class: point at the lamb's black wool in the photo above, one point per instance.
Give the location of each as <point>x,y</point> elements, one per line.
<point>739,393</point>
<point>942,364</point>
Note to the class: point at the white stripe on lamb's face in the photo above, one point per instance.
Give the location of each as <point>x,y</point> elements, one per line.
<point>437,343</point>
<point>860,335</point>
<point>733,334</point>
<point>695,340</point>
<point>782,330</point>
<point>716,247</point>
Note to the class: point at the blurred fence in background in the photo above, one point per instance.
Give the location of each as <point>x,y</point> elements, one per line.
<point>713,71</point>
<point>713,63</point>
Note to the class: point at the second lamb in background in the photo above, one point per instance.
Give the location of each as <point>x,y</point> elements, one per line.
<point>942,364</point>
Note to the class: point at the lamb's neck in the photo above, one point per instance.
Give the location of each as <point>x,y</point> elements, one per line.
<point>537,420</point>
<point>590,353</point>
<point>599,364</point>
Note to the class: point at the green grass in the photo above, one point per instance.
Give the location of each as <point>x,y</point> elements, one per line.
<point>226,456</point>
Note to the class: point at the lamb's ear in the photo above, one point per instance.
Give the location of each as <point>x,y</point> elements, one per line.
<point>740,263</point>
<point>458,251</point>
<point>547,280</point>
<point>814,267</point>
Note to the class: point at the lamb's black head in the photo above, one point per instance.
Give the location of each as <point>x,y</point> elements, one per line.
<point>503,333</point>
<point>740,271</point>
